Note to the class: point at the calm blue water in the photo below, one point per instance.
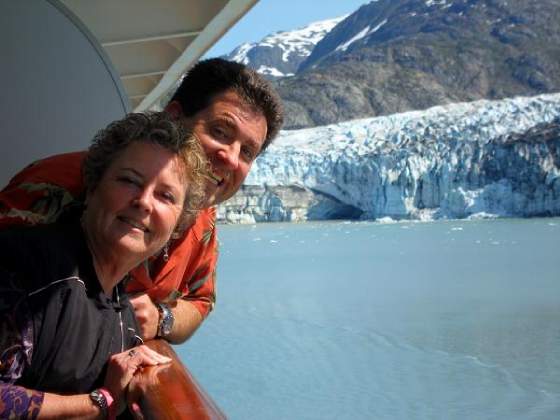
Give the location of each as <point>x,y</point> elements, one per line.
<point>442,320</point>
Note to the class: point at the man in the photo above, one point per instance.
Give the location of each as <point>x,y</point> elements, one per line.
<point>235,114</point>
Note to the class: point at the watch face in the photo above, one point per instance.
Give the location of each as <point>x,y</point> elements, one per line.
<point>166,326</point>
<point>166,322</point>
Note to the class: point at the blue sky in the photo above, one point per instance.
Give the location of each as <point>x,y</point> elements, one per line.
<point>269,16</point>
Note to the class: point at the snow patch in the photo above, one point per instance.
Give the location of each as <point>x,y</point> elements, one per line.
<point>360,35</point>
<point>241,53</point>
<point>272,71</point>
<point>298,42</point>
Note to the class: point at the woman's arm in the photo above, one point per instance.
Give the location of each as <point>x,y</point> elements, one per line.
<point>20,402</point>
<point>69,407</point>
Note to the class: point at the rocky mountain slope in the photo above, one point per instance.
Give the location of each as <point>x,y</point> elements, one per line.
<point>483,158</point>
<point>396,55</point>
<point>280,54</point>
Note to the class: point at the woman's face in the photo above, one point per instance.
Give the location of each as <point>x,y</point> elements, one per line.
<point>135,207</point>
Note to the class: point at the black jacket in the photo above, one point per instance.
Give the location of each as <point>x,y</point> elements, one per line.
<point>47,276</point>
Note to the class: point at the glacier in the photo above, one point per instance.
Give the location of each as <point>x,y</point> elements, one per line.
<point>464,160</point>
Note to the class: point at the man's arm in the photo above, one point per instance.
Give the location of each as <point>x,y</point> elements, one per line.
<point>194,258</point>
<point>187,318</point>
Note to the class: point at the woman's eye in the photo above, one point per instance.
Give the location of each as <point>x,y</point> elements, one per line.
<point>127,180</point>
<point>168,197</point>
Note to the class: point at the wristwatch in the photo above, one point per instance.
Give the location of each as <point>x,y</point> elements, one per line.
<point>165,320</point>
<point>99,399</point>
<point>106,403</point>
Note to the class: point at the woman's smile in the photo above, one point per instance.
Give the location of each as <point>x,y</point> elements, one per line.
<point>133,223</point>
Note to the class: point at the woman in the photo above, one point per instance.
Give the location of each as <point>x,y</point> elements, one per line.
<point>65,325</point>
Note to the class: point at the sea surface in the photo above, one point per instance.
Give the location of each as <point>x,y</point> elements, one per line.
<point>339,320</point>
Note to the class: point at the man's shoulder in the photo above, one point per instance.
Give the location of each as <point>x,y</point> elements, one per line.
<point>57,169</point>
<point>42,190</point>
<point>204,225</point>
<point>207,216</point>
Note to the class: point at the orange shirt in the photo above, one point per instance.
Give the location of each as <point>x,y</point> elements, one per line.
<point>41,191</point>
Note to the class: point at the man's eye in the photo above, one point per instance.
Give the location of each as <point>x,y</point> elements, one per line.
<point>219,132</point>
<point>248,153</point>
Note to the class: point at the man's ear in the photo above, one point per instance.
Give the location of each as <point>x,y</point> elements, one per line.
<point>174,109</point>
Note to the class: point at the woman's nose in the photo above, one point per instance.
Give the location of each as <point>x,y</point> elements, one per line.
<point>143,200</point>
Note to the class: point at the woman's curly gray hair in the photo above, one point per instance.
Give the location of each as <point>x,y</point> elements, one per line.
<point>157,128</point>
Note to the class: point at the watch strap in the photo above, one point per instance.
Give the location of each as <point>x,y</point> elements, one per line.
<point>99,399</point>
<point>111,404</point>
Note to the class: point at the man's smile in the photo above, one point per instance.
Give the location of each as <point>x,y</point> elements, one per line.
<point>215,179</point>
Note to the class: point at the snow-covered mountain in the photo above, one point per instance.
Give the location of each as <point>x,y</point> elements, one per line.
<point>280,54</point>
<point>391,56</point>
<point>461,160</point>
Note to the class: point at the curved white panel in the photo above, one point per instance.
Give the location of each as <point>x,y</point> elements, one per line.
<point>58,87</point>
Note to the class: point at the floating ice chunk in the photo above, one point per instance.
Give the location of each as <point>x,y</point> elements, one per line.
<point>482,216</point>
<point>430,3</point>
<point>385,220</point>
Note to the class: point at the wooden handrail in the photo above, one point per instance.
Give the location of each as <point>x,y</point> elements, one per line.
<point>169,391</point>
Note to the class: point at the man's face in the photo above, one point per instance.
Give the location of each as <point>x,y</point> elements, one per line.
<point>232,134</point>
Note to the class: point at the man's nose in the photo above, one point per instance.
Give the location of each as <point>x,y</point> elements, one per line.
<point>229,154</point>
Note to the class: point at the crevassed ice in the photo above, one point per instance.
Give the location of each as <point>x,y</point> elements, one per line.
<point>376,164</point>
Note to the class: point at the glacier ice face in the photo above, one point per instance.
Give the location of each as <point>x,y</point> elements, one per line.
<point>461,160</point>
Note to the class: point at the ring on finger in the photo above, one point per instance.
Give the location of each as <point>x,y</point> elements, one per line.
<point>132,352</point>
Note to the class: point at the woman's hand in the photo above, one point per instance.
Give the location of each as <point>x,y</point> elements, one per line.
<point>123,366</point>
